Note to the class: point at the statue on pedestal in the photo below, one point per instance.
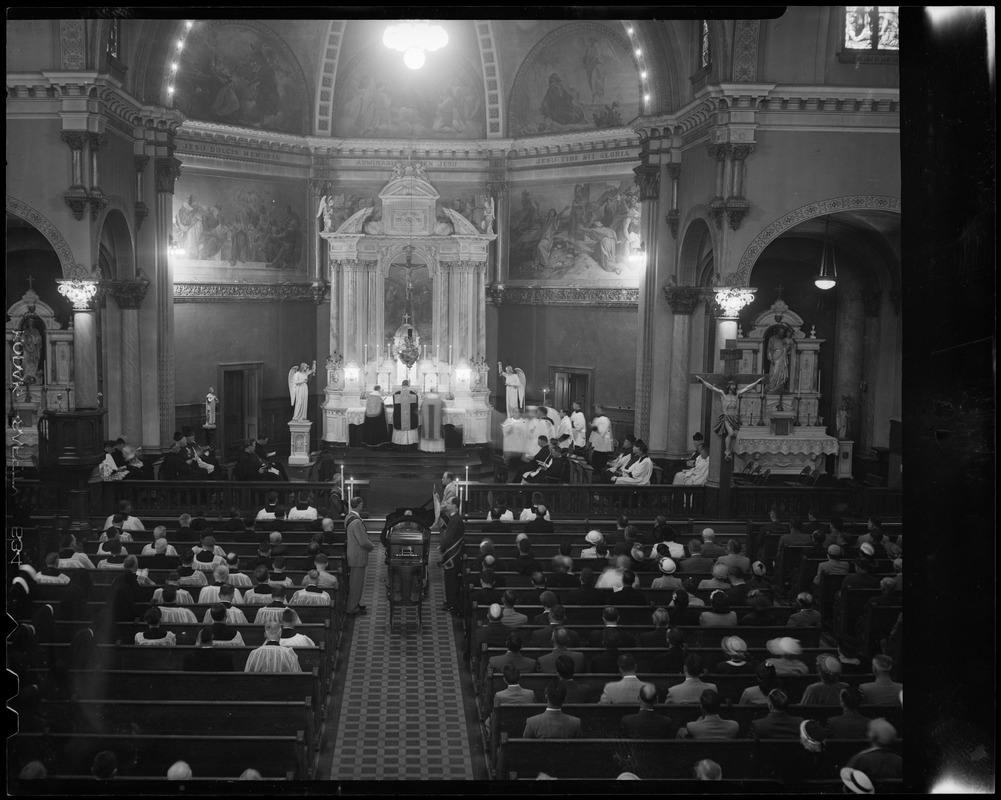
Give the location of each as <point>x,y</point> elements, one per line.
<point>844,418</point>
<point>514,380</point>
<point>780,347</point>
<point>298,391</point>
<point>211,401</point>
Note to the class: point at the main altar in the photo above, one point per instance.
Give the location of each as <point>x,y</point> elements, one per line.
<point>781,426</point>
<point>408,302</point>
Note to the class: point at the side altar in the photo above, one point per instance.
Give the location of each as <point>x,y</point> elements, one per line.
<point>407,302</point>
<point>781,427</point>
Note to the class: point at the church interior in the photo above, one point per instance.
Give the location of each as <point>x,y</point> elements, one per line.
<point>636,288</point>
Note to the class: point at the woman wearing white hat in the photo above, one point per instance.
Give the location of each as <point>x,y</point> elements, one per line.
<point>668,579</point>
<point>593,538</point>
<point>788,651</point>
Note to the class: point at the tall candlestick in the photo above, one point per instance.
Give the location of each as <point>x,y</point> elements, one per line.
<point>450,354</point>
<point>437,353</point>
<point>467,482</point>
<point>366,355</point>
<point>342,480</point>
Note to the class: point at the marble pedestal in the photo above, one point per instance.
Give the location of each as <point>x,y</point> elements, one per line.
<point>299,435</point>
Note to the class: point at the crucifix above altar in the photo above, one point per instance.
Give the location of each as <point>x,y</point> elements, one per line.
<point>408,302</point>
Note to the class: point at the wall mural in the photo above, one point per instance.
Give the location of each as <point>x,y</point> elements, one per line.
<point>574,232</point>
<point>241,74</point>
<point>233,222</point>
<point>580,77</point>
<point>379,96</point>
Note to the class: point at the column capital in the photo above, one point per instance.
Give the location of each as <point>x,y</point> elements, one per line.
<point>127,293</point>
<point>96,141</point>
<point>76,140</point>
<point>647,177</point>
<point>740,151</point>
<point>497,187</point>
<point>167,172</point>
<point>731,299</point>
<point>673,220</point>
<point>674,170</point>
<point>684,299</point>
<point>141,163</point>
<point>79,291</point>
<point>716,151</point>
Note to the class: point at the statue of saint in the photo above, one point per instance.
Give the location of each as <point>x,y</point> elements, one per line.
<point>780,347</point>
<point>211,401</point>
<point>844,418</point>
<point>514,380</point>
<point>298,390</point>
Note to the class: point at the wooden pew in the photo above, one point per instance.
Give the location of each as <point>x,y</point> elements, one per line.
<point>253,635</point>
<point>306,613</point>
<point>649,758</point>
<point>180,716</point>
<point>153,754</point>
<point>138,786</point>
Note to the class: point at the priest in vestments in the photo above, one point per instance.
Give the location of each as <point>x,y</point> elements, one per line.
<point>432,440</point>
<point>375,430</point>
<point>405,416</point>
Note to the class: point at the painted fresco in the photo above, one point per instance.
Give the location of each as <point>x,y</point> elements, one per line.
<point>580,77</point>
<point>379,96</point>
<point>231,222</point>
<point>236,74</point>
<point>574,232</point>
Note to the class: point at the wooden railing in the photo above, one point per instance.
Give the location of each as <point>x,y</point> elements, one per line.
<point>586,502</point>
<point>754,502</point>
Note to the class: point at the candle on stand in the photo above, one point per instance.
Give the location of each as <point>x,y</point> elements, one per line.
<point>467,482</point>
<point>351,490</point>
<point>450,354</point>
<point>366,355</point>
<point>437,352</point>
<point>342,480</point>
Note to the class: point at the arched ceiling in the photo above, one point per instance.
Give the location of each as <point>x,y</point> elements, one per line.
<point>495,78</point>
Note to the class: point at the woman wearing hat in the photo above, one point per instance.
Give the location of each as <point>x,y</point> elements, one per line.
<point>593,538</point>
<point>718,580</point>
<point>787,651</point>
<point>736,663</point>
<point>761,613</point>
<point>718,613</point>
<point>758,695</point>
<point>667,579</point>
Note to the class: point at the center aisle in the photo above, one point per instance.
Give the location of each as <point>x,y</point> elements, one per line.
<point>402,716</point>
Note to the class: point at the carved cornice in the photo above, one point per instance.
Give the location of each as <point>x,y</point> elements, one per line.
<point>717,210</point>
<point>647,177</point>
<point>570,296</point>
<point>673,219</point>
<point>168,170</point>
<point>128,294</point>
<point>795,217</point>
<point>77,198</point>
<point>736,209</point>
<point>141,211</point>
<point>98,202</point>
<point>684,299</point>
<point>242,292</point>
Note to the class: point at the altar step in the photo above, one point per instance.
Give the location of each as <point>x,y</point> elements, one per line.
<point>364,463</point>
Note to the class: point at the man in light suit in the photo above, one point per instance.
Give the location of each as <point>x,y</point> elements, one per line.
<point>553,723</point>
<point>358,548</point>
<point>690,691</point>
<point>779,724</point>
<point>647,723</point>
<point>710,725</point>
<point>626,689</point>
<point>513,693</point>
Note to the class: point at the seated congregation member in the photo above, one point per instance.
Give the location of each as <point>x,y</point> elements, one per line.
<point>187,574</point>
<point>736,663</point>
<point>271,656</point>
<point>639,471</point>
<point>207,545</point>
<point>510,617</point>
<point>289,638</point>
<point>562,573</point>
<point>850,723</point>
<point>208,657</point>
<point>261,594</point>
<point>238,578</point>
<point>561,649</point>
<point>116,556</point>
<point>664,534</point>
<point>541,522</point>
<point>127,521</point>
<point>251,467</point>
<point>647,723</point>
<point>278,576</point>
<point>51,574</point>
<point>778,723</point>
<point>698,474</point>
<point>628,594</point>
<point>608,659</point>
<point>553,723</point>
<point>171,614</point>
<point>710,725</point>
<point>210,594</point>
<point>787,651</point>
<point>587,594</point>
<point>513,693</point>
<point>184,531</point>
<point>268,511</point>
<point>718,614</point>
<point>737,592</point>
<point>528,514</point>
<point>234,523</point>
<point>658,636</point>
<point>536,589</point>
<point>312,594</point>
<point>878,761</point>
<point>667,580</point>
<point>807,616</point>
<point>627,688</point>
<point>303,510</point>
<point>759,579</point>
<point>761,613</point>
<point>672,659</point>
<point>513,656</point>
<point>494,633</point>
<point>223,632</point>
<point>113,534</point>
<point>487,594</point>
<point>274,609</point>
<point>734,556</point>
<point>696,562</point>
<point>233,615</point>
<point>525,563</point>
<point>757,695</point>
<point>70,557</point>
<point>544,637</point>
<point>548,600</point>
<point>576,692</point>
<point>154,635</point>
<point>709,547</point>
<point>610,619</point>
<point>159,533</point>
<point>883,691</point>
<point>718,579</point>
<point>826,692</point>
<point>183,597</point>
<point>690,691</point>
<point>593,538</point>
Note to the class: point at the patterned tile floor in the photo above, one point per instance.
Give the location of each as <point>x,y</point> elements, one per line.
<point>402,714</point>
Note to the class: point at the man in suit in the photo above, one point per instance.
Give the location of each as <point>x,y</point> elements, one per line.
<point>576,692</point>
<point>562,573</point>
<point>709,547</point>
<point>557,619</point>
<point>647,723</point>
<point>509,616</point>
<point>629,595</point>
<point>710,725</point>
<point>627,688</point>
<point>608,659</point>
<point>586,594</point>
<point>850,723</point>
<point>561,647</point>
<point>610,616</point>
<point>450,547</point>
<point>207,658</point>
<point>251,467</point>
<point>553,723</point>
<point>494,633</point>
<point>883,691</point>
<point>778,724</point>
<point>734,556</point>
<point>696,562</point>
<point>548,600</point>
<point>658,636</point>
<point>878,762</point>
<point>486,595</point>
<point>513,693</point>
<point>358,548</point>
<point>690,691</point>
<point>514,657</point>
<point>540,524</point>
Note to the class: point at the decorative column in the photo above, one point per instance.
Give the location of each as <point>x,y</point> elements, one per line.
<point>167,171</point>
<point>717,208</point>
<point>674,215</point>
<point>141,209</point>
<point>736,206</point>
<point>648,180</point>
<point>683,301</point>
<point>498,190</point>
<point>872,302</point>
<point>95,196</point>
<point>129,295</point>
<point>335,276</point>
<point>76,196</point>
<point>81,292</point>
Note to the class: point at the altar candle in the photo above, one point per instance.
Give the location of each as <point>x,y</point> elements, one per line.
<point>437,353</point>
<point>450,354</point>
<point>467,481</point>
<point>342,479</point>
<point>351,490</point>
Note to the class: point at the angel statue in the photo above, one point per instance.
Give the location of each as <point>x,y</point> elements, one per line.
<point>297,377</point>
<point>326,210</point>
<point>515,381</point>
